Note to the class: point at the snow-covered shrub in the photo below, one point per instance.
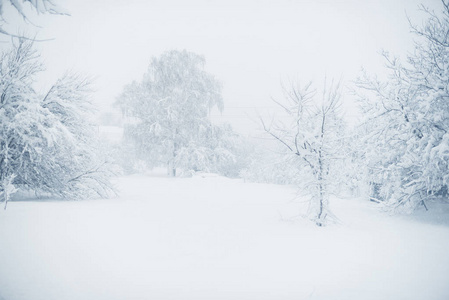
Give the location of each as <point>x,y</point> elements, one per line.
<point>223,151</point>
<point>7,188</point>
<point>47,142</point>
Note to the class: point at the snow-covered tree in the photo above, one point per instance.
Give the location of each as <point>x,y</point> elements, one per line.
<point>22,9</point>
<point>312,135</point>
<point>407,117</point>
<point>354,168</point>
<point>168,110</point>
<point>47,142</point>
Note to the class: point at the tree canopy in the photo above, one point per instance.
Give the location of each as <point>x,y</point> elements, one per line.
<point>168,110</point>
<point>408,119</point>
<point>47,142</point>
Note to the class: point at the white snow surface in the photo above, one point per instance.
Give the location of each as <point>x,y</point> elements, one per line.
<point>210,237</point>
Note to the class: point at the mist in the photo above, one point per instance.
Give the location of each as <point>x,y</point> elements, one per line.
<point>290,149</point>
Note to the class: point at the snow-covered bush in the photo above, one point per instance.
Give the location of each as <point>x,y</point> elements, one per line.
<point>7,188</point>
<point>47,142</point>
<point>219,150</point>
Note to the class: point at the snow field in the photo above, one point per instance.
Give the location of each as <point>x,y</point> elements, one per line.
<point>210,237</point>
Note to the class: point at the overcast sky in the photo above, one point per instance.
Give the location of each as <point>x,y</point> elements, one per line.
<point>250,46</point>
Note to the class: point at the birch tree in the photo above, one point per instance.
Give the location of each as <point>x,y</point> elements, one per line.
<point>168,110</point>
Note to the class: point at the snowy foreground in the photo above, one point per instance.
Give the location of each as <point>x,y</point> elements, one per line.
<point>210,238</point>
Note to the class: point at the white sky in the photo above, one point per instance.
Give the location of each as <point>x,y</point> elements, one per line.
<point>250,46</point>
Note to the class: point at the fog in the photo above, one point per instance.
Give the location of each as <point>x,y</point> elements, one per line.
<point>338,189</point>
<point>249,46</point>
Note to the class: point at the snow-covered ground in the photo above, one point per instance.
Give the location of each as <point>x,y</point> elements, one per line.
<point>209,237</point>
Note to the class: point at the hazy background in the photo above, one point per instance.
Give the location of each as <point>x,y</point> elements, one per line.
<point>250,46</point>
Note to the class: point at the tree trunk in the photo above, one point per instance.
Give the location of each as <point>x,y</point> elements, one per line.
<point>321,215</point>
<point>172,166</point>
<point>171,169</point>
<point>322,190</point>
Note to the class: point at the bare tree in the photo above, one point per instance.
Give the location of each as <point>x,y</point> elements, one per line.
<point>311,135</point>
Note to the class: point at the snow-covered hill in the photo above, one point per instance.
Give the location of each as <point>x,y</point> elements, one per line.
<point>209,237</point>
